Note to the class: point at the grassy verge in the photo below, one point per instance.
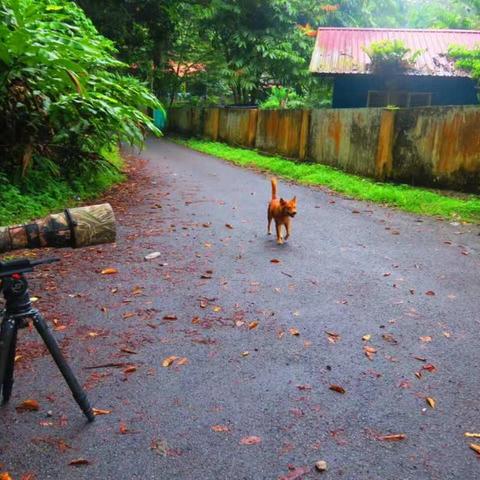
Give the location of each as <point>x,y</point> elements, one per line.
<point>44,193</point>
<point>405,197</point>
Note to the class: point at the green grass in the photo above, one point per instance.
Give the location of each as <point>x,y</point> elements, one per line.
<point>405,197</point>
<point>43,193</point>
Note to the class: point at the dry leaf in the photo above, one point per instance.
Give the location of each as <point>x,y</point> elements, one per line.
<point>217,309</point>
<point>79,461</point>
<point>109,271</point>
<point>170,317</point>
<point>98,411</point>
<point>369,351</point>
<point>333,337</point>
<point>472,435</point>
<point>294,332</point>
<point>245,354</point>
<point>393,437</point>
<point>366,338</point>
<point>274,260</point>
<point>252,440</point>
<point>430,293</point>
<point>426,339</point>
<point>28,406</point>
<point>130,369</point>
<point>196,320</point>
<point>5,476</point>
<point>475,447</point>
<point>168,361</point>
<point>337,388</point>
<point>229,226</point>
<point>220,428</point>
<point>252,325</point>
<point>431,402</point>
<point>429,367</point>
<point>182,361</point>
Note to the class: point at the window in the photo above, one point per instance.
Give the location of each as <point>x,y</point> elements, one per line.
<point>383,98</point>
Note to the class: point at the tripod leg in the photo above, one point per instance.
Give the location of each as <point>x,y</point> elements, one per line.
<point>77,391</point>
<point>7,332</point>
<point>8,379</point>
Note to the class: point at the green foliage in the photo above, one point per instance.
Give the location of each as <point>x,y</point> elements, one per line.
<point>317,96</point>
<point>468,60</point>
<point>405,197</point>
<point>62,94</point>
<point>41,193</point>
<point>391,56</point>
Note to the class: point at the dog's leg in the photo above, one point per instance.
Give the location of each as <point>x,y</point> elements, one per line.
<point>269,215</point>
<point>278,227</point>
<point>288,228</point>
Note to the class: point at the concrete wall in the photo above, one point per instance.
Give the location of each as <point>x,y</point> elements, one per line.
<point>437,146</point>
<point>346,139</point>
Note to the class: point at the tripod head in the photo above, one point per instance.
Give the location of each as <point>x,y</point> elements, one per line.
<point>7,269</point>
<point>14,285</point>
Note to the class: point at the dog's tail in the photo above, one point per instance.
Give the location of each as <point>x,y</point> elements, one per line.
<point>274,188</point>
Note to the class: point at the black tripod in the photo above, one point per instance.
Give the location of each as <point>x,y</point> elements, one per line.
<point>18,309</point>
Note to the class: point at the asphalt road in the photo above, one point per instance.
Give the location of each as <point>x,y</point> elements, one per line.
<point>350,269</point>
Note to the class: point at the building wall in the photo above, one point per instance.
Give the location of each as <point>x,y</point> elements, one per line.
<point>351,91</point>
<point>433,146</point>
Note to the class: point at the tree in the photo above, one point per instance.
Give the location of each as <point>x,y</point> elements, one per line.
<point>63,97</point>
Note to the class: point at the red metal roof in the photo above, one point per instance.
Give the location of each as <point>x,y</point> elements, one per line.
<point>339,50</point>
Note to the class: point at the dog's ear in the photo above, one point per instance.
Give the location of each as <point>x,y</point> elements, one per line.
<point>282,202</point>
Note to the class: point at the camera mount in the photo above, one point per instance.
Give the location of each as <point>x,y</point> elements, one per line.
<point>15,315</point>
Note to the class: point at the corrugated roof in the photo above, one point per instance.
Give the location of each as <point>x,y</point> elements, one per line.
<point>339,50</point>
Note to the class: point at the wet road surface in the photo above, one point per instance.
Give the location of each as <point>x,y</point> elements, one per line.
<point>257,343</point>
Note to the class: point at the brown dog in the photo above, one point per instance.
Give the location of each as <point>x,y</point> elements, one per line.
<point>281,211</point>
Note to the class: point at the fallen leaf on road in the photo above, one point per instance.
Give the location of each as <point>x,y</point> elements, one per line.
<point>393,437</point>
<point>128,350</point>
<point>366,338</point>
<point>28,406</point>
<point>426,339</point>
<point>170,317</point>
<point>295,473</point>
<point>182,361</point>
<point>109,271</point>
<point>421,359</point>
<point>5,476</point>
<point>130,369</point>
<point>333,337</point>
<point>245,354</point>
<point>220,428</point>
<point>252,440</point>
<point>28,476</point>
<point>304,387</point>
<point>274,260</point>
<point>79,461</point>
<point>472,435</point>
<point>217,309</point>
<point>431,402</point>
<point>369,351</point>
<point>294,332</point>
<point>429,367</point>
<point>196,320</point>
<point>252,325</point>
<point>169,360</point>
<point>475,447</point>
<point>337,388</point>
<point>388,337</point>
<point>229,226</point>
<point>99,411</point>
<point>430,293</point>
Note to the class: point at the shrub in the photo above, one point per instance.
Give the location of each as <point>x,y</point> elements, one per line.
<point>63,96</point>
<point>391,56</point>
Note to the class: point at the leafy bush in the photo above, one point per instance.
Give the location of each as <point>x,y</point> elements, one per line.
<point>317,96</point>
<point>63,99</point>
<point>468,60</point>
<point>391,56</point>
